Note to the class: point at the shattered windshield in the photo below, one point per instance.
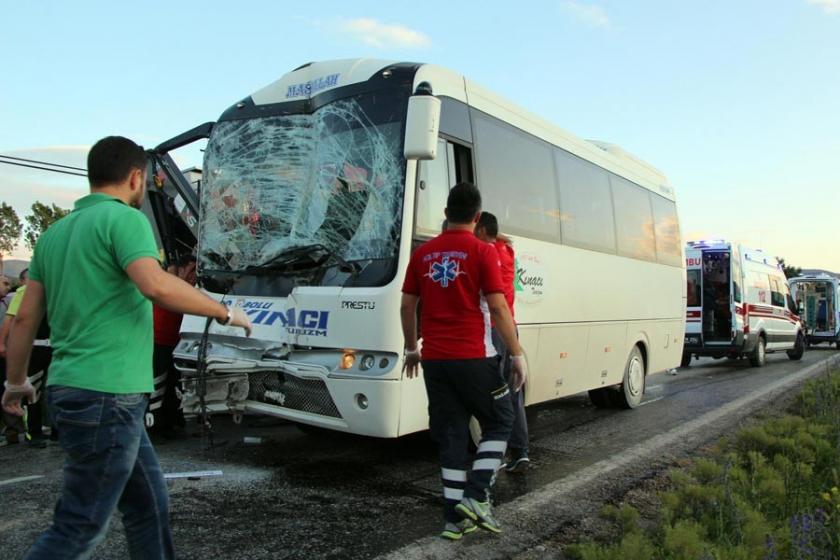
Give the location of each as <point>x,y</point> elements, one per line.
<point>332,179</point>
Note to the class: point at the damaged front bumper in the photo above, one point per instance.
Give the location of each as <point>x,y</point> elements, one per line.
<point>240,379</point>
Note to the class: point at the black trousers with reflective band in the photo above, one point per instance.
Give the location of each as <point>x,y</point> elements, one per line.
<point>458,390</point>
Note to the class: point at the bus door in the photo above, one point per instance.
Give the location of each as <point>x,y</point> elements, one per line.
<point>717,299</point>
<point>171,202</point>
<point>435,177</point>
<point>694,297</point>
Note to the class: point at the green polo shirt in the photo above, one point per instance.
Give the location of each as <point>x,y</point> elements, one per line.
<point>101,323</point>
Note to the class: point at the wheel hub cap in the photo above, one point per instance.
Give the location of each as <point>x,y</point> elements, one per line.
<point>636,377</point>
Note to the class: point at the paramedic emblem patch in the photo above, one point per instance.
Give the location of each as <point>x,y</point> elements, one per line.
<point>444,272</point>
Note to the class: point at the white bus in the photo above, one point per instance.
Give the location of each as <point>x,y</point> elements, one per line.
<point>817,297</point>
<point>316,188</point>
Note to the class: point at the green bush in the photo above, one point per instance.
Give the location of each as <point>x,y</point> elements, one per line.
<point>769,492</point>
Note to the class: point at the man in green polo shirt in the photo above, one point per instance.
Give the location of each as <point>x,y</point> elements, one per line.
<point>94,272</point>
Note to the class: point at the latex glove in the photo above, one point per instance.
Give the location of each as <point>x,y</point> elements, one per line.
<point>14,394</point>
<point>519,371</point>
<point>412,361</point>
<point>238,318</point>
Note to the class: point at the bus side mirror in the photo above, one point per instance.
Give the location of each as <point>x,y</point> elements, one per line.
<point>422,124</point>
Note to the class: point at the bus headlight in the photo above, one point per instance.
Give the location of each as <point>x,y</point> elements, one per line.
<point>347,360</point>
<point>368,361</point>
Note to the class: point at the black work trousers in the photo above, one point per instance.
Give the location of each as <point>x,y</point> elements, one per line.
<point>458,390</point>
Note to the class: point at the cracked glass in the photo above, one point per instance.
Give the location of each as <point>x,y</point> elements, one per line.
<point>333,179</point>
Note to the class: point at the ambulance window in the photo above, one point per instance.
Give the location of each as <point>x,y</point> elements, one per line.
<point>586,212</point>
<point>694,287</point>
<point>667,228</point>
<point>736,277</point>
<point>633,220</point>
<point>516,179</point>
<point>776,296</point>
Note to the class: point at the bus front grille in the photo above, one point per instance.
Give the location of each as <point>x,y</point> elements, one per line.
<point>288,391</point>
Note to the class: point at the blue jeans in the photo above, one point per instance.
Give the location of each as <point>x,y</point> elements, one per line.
<point>110,465</point>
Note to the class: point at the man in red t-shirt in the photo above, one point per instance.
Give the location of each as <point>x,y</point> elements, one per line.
<point>487,230</point>
<point>456,278</point>
<point>165,403</point>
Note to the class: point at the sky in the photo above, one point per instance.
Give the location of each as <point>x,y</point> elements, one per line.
<point>737,101</point>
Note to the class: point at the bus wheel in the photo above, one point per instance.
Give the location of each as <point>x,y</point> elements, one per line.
<point>601,397</point>
<point>632,388</point>
<point>759,354</point>
<point>686,360</point>
<point>798,350</point>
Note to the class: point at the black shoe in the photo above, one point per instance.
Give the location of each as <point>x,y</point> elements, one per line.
<point>518,461</point>
<point>38,441</point>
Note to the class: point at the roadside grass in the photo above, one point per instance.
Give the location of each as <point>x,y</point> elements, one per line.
<point>771,491</point>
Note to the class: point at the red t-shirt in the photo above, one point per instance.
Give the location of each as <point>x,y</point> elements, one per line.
<point>451,273</point>
<point>167,326</point>
<point>507,263</point>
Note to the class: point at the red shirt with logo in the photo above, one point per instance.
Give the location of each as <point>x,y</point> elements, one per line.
<point>507,263</point>
<point>451,274</point>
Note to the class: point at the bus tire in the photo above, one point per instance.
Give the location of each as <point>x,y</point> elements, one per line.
<point>601,397</point>
<point>798,350</point>
<point>632,389</point>
<point>758,356</point>
<point>686,360</point>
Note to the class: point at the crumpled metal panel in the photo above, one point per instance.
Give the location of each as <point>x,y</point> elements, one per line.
<point>333,178</point>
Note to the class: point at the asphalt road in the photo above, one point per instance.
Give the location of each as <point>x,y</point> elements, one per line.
<point>287,494</point>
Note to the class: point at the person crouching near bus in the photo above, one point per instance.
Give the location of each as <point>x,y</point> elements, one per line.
<point>487,230</point>
<point>165,402</point>
<point>456,278</point>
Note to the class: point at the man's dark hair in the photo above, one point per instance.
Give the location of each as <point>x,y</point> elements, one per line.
<point>112,159</point>
<point>490,224</point>
<point>463,203</point>
<point>24,274</point>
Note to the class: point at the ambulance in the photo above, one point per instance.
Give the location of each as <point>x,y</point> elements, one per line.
<point>817,298</point>
<point>738,305</point>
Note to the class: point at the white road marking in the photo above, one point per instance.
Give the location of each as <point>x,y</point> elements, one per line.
<point>20,479</point>
<point>191,474</point>
<point>651,401</point>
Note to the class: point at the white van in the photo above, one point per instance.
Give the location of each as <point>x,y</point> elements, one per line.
<point>817,297</point>
<point>738,304</point>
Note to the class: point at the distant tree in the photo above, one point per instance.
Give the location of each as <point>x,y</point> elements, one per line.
<point>10,228</point>
<point>790,271</point>
<point>39,220</point>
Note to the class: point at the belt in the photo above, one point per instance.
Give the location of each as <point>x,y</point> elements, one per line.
<point>42,343</point>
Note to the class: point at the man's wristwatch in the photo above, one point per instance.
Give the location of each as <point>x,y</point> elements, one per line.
<point>229,318</point>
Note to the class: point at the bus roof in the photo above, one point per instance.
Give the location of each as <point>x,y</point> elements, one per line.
<point>316,77</point>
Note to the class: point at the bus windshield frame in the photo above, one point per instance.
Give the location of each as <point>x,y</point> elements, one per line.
<point>278,183</point>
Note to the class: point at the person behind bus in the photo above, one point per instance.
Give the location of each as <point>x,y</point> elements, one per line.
<point>456,278</point>
<point>165,403</point>
<point>487,230</point>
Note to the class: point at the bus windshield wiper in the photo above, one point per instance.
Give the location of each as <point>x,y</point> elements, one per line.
<point>298,255</point>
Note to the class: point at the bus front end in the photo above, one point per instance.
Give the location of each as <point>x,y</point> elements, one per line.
<point>302,225</point>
